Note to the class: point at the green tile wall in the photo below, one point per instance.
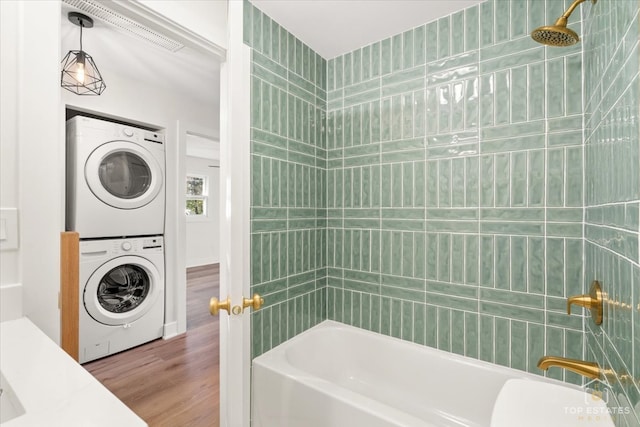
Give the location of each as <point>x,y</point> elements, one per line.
<point>432,186</point>
<point>612,189</point>
<point>288,169</point>
<point>455,186</point>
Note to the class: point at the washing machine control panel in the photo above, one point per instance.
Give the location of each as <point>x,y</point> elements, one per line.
<point>137,245</point>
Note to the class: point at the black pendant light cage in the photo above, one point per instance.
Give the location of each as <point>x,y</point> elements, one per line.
<point>80,74</point>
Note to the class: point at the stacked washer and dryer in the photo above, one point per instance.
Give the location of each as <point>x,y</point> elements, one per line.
<point>116,202</point>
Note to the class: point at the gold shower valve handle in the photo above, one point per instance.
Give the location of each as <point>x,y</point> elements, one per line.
<point>215,306</point>
<point>256,302</point>
<point>593,301</point>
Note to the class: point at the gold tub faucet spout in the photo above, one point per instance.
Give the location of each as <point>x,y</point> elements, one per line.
<point>588,369</point>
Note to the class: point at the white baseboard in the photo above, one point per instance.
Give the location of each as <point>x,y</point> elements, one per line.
<point>170,330</point>
<point>197,262</point>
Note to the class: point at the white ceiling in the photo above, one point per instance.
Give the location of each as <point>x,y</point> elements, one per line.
<point>334,27</point>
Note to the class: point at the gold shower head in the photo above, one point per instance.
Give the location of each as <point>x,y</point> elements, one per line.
<point>558,34</point>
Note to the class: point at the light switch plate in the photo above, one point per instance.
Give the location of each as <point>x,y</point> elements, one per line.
<point>8,229</point>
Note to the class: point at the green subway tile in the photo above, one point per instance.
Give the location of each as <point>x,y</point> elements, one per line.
<point>396,52</point>
<point>452,226</point>
<point>432,41</point>
<point>452,289</point>
<point>513,130</point>
<point>501,25</point>
<point>502,262</point>
<point>518,23</point>
<point>363,97</point>
<point>419,324</point>
<point>471,33</point>
<point>519,264</point>
<point>517,143</point>
<point>444,37</point>
<point>486,261</point>
<point>513,312</point>
<point>448,69</point>
<point>471,334</point>
<point>419,45</point>
<point>513,298</point>
<point>536,89</point>
<point>535,15</point>
<point>512,214</point>
<point>452,214</point>
<point>431,333</point>
<point>555,87</point>
<point>357,66</point>
<point>535,346</point>
<point>403,144</point>
<point>519,94</point>
<point>564,214</point>
<point>536,174</point>
<point>564,229</point>
<point>514,228</point>
<point>371,159</point>
<point>457,332</point>
<point>407,49</point>
<point>511,61</point>
<point>511,48</point>
<point>555,267</point>
<point>444,329</point>
<point>555,177</point>
<point>401,293</point>
<point>518,345</point>
<point>486,100</point>
<point>457,33</point>
<point>471,259</point>
<point>574,87</point>
<point>444,257</point>
<point>502,342</point>
<point>486,337</point>
<point>406,225</point>
<point>375,59</point>
<point>403,156</point>
<point>362,223</point>
<point>407,86</point>
<point>431,252</point>
<point>362,87</point>
<point>462,150</point>
<point>268,213</point>
<point>385,56</point>
<point>562,320</point>
<point>565,123</point>
<point>486,24</point>
<point>566,138</point>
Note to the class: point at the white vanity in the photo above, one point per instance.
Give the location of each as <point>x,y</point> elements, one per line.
<point>42,385</point>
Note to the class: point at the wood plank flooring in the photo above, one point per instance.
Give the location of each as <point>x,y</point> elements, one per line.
<point>173,383</point>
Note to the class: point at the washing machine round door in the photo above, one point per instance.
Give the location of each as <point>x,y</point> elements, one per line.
<point>122,290</point>
<point>123,175</point>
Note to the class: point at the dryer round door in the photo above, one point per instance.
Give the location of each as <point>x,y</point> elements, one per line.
<point>123,175</point>
<point>122,290</point>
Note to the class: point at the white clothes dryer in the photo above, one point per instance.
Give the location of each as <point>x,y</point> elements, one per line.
<point>121,295</point>
<point>115,179</point>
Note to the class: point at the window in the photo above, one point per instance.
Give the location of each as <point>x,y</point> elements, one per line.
<point>197,193</point>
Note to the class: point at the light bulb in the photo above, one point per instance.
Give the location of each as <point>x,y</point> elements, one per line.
<point>80,72</point>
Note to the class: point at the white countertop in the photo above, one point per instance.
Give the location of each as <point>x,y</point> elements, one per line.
<point>53,388</point>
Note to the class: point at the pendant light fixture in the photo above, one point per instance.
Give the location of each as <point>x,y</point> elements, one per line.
<point>80,74</point>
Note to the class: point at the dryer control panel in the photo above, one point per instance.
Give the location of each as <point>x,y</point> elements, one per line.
<point>122,246</point>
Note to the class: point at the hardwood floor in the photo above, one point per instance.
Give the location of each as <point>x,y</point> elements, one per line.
<point>173,383</point>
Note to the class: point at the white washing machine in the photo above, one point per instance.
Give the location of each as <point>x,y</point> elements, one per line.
<point>121,294</point>
<point>115,179</point>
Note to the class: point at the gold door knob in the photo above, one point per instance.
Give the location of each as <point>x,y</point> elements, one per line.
<point>215,305</point>
<point>255,302</point>
<point>592,301</point>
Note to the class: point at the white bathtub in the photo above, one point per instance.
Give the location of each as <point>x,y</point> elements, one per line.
<point>338,375</point>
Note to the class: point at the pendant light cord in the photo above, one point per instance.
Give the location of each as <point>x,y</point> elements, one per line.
<point>81,35</point>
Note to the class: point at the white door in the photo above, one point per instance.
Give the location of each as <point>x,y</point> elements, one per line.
<point>235,357</point>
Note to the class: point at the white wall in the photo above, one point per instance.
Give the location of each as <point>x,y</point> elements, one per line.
<point>10,259</point>
<point>203,240</point>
